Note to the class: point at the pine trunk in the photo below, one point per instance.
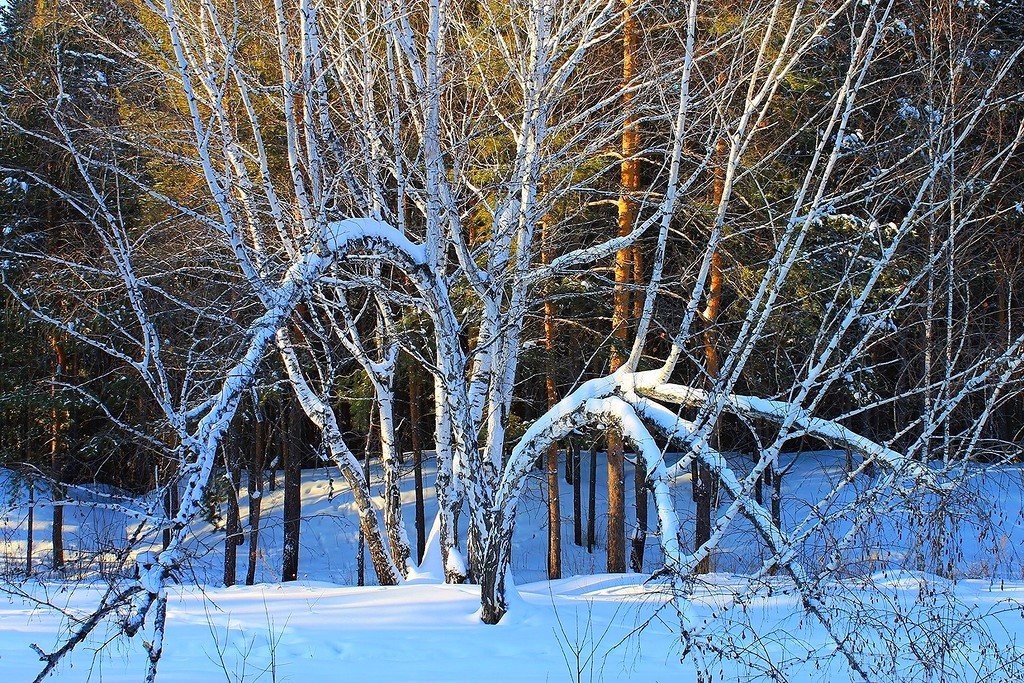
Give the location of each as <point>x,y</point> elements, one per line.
<point>554,516</point>
<point>554,511</point>
<point>702,478</point>
<point>257,459</point>
<point>417,459</point>
<point>569,466</point>
<point>31,527</point>
<point>776,497</point>
<point>629,172</point>
<point>233,528</point>
<point>639,541</point>
<point>577,519</point>
<point>292,456</point>
<point>171,505</point>
<point>592,500</point>
<point>57,527</point>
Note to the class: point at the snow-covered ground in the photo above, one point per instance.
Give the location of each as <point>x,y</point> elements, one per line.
<point>310,631</point>
<point>589,626</point>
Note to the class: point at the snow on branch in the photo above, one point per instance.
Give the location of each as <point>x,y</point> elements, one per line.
<point>343,237</point>
<point>594,403</point>
<point>780,411</point>
<point>782,547</point>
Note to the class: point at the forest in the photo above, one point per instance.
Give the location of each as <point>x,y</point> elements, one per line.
<point>688,329</point>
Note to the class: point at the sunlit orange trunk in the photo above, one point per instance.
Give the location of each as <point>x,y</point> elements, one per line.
<point>554,511</point>
<point>703,486</point>
<point>630,182</point>
<point>639,536</point>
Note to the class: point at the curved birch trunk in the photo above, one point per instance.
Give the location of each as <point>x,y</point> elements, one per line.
<point>594,403</point>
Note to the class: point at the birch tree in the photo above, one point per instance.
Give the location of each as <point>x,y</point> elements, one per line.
<point>364,178</point>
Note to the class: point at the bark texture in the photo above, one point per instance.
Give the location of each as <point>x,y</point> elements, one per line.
<point>629,171</point>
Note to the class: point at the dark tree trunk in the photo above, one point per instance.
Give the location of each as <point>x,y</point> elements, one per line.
<point>869,427</point>
<point>417,456</point>
<point>776,496</point>
<point>233,536</point>
<point>57,490</point>
<point>773,481</point>
<point>57,529</point>
<point>31,524</point>
<point>171,503</point>
<point>282,444</point>
<point>554,517</point>
<point>345,418</point>
<point>570,465</point>
<point>759,484</point>
<point>232,530</point>
<point>257,458</point>
<point>26,454</point>
<point>591,500</point>
<point>577,517</point>
<point>293,455</point>
<point>701,488</point>
<point>636,557</point>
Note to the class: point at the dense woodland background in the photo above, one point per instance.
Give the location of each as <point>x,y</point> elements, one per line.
<point>70,413</point>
